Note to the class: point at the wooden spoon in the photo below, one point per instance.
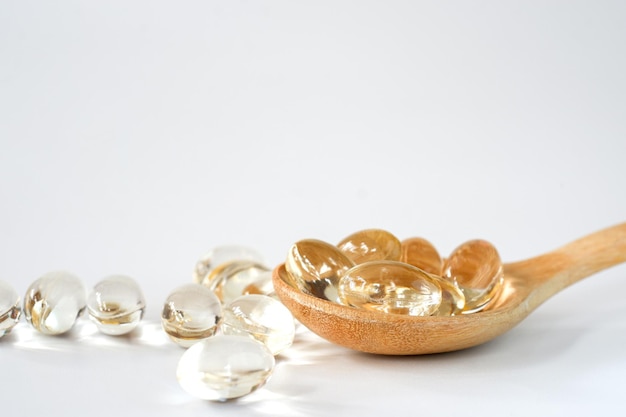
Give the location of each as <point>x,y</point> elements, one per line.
<point>527,284</point>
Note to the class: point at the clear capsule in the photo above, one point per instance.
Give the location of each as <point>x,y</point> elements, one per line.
<point>192,312</point>
<point>371,245</point>
<point>421,253</point>
<point>262,286</point>
<point>315,268</point>
<point>9,308</point>
<point>261,317</point>
<point>224,367</point>
<point>53,302</point>
<point>475,267</point>
<point>222,254</point>
<point>390,287</point>
<point>235,278</point>
<point>116,305</point>
<point>452,298</point>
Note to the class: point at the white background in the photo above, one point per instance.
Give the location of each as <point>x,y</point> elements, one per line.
<point>135,136</point>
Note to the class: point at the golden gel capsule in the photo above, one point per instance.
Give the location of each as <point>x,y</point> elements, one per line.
<point>390,287</point>
<point>315,268</point>
<point>475,267</point>
<point>452,298</point>
<point>421,253</point>
<point>371,245</point>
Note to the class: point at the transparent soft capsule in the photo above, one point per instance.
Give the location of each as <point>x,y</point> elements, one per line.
<point>53,302</point>
<point>315,268</point>
<point>261,317</point>
<point>452,298</point>
<point>224,367</point>
<point>262,286</point>
<point>9,308</point>
<point>371,245</point>
<point>421,253</point>
<point>116,305</point>
<point>222,254</point>
<point>235,278</point>
<point>475,267</point>
<point>192,312</point>
<point>390,287</point>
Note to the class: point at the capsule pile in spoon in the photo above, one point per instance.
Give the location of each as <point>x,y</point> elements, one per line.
<point>373,270</point>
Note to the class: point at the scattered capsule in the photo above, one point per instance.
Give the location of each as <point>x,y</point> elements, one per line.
<point>224,367</point>
<point>191,313</point>
<point>235,278</point>
<point>261,317</point>
<point>54,302</point>
<point>222,254</point>
<point>116,305</point>
<point>9,308</point>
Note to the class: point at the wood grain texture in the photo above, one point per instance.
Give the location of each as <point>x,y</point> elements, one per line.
<point>527,284</point>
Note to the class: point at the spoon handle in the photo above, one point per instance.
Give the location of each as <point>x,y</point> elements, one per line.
<point>579,259</point>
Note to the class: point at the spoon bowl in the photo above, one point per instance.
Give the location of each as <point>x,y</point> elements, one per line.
<point>527,284</point>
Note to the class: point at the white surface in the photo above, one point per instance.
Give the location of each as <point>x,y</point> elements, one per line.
<point>134,136</point>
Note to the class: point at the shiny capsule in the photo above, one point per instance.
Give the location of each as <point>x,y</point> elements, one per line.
<point>224,367</point>
<point>53,302</point>
<point>262,318</point>
<point>233,279</point>
<point>390,287</point>
<point>9,308</point>
<point>116,305</point>
<point>262,286</point>
<point>315,268</point>
<point>421,253</point>
<point>452,298</point>
<point>371,245</point>
<point>191,312</point>
<point>222,254</point>
<point>475,267</point>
